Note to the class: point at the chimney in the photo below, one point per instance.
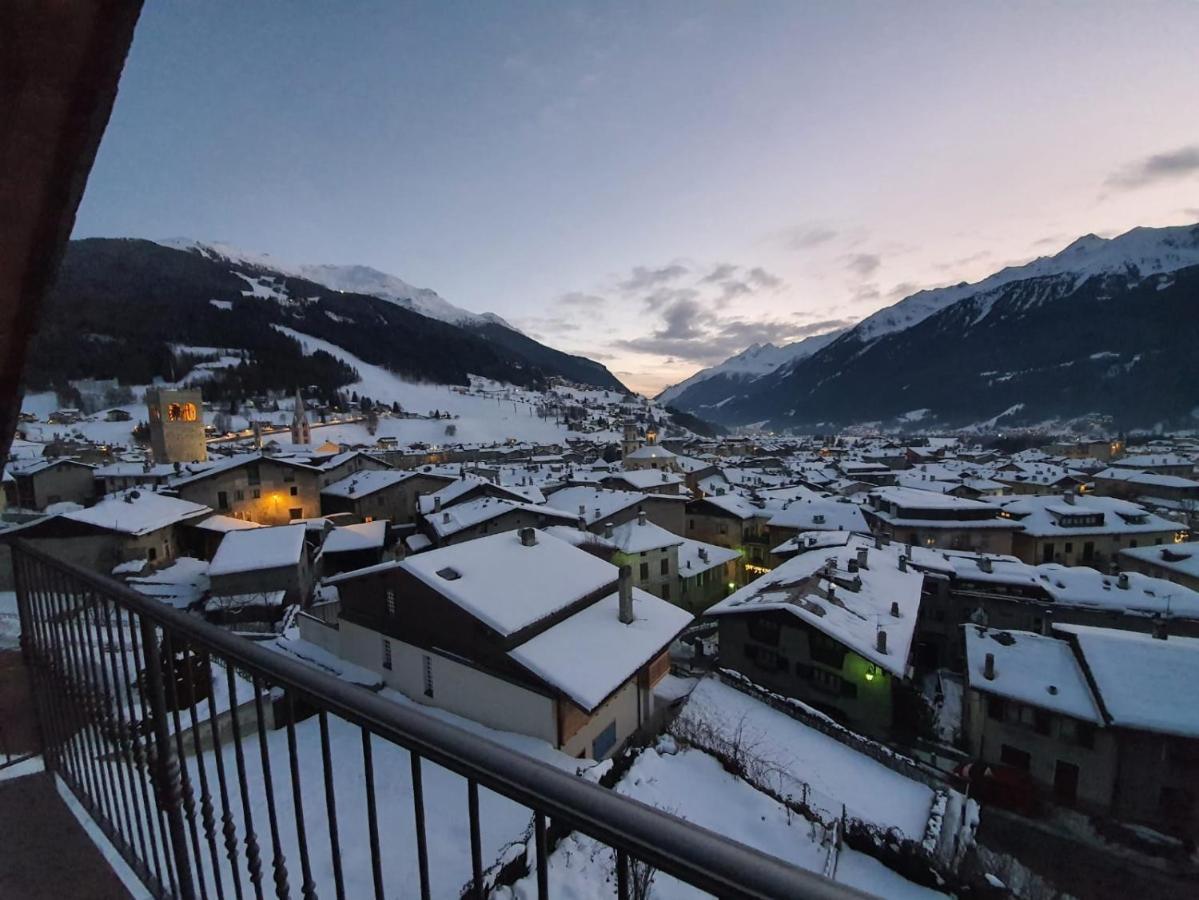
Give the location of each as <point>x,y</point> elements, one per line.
<point>863,558</point>
<point>582,510</point>
<point>528,537</point>
<point>984,563</point>
<point>582,523</point>
<point>903,563</point>
<point>989,667</point>
<point>831,594</point>
<point>641,517</point>
<point>1122,581</point>
<point>1069,497</point>
<point>703,553</point>
<point>880,643</point>
<point>852,565</point>
<point>445,518</point>
<point>608,530</point>
<point>436,504</point>
<point>625,590</point>
<point>895,609</point>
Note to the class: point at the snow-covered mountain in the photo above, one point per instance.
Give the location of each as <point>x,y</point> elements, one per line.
<point>756,360</point>
<point>351,278</point>
<point>1105,327</point>
<point>1147,251</point>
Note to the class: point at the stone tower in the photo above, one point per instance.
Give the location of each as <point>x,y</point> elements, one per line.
<point>301,433</point>
<point>176,425</point>
<point>631,440</point>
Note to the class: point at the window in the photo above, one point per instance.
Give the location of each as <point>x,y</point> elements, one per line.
<point>239,494</point>
<point>391,602</point>
<point>1014,757</point>
<point>691,524</point>
<point>256,494</point>
<point>288,477</point>
<point>995,708</point>
<point>763,630</point>
<point>1084,735</point>
<point>824,650</point>
<point>767,659</point>
<point>1069,548</point>
<point>1088,551</point>
<point>427,665</point>
<point>645,571</point>
<point>152,554</point>
<point>724,529</point>
<point>1041,721</point>
<point>1132,543</point>
<point>253,475</point>
<point>387,654</point>
<point>604,742</point>
<point>666,592</point>
<point>222,500</point>
<point>294,490</point>
<point>1047,553</point>
<point>296,513</point>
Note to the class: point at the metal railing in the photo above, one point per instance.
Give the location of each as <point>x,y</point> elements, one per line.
<point>159,724</point>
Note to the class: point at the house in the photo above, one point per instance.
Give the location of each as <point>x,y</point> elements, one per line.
<point>832,627</point>
<point>1083,529</point>
<point>257,563</point>
<point>1158,464</point>
<point>484,515</point>
<point>596,507</point>
<point>41,482</point>
<point>933,519</point>
<point>202,537</point>
<point>652,456</point>
<point>353,547</point>
<point>650,551</point>
<point>730,520</point>
<point>815,514</point>
<point>1035,478</point>
<point>707,574</point>
<point>121,476</point>
<point>254,487</point>
<point>650,481</point>
<point>1083,711</point>
<point>377,494</point>
<point>519,631</point>
<point>1178,562</point>
<point>131,525</point>
<point>342,465</point>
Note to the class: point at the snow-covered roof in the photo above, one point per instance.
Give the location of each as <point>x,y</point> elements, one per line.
<point>259,548</point>
<point>1182,559</point>
<point>1128,592</point>
<point>913,498</point>
<point>223,524</point>
<point>364,483</point>
<point>735,505</point>
<point>137,512</point>
<point>1147,479</point>
<point>592,653</point>
<point>364,536</point>
<point>1144,682</point>
<point>646,479</point>
<point>41,464</point>
<point>696,557</point>
<point>858,609</point>
<point>636,536</point>
<point>596,503</point>
<point>507,585</point>
<point>651,451</point>
<point>820,515</point>
<point>1049,516</point>
<point>470,513</point>
<point>1031,668</point>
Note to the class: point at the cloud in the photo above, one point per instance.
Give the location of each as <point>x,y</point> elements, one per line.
<point>581,300</point>
<point>694,335</point>
<point>803,237</point>
<point>722,272</point>
<point>645,278</point>
<point>760,278</point>
<point>731,284</point>
<point>903,289</point>
<point>655,300</point>
<point>1167,166</point>
<point>863,264</point>
<point>684,320</point>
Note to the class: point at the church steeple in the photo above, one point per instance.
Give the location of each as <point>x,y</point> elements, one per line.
<point>300,431</point>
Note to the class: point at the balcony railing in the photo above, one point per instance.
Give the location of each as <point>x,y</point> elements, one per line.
<point>159,723</point>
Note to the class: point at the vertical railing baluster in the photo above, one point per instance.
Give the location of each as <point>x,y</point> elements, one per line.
<point>141,653</point>
<point>137,716</point>
<point>476,842</point>
<point>125,727</point>
<point>47,658</point>
<point>307,888</point>
<point>171,679</point>
<point>207,817</point>
<point>278,864</point>
<point>112,718</point>
<point>368,771</point>
<point>543,886</point>
<point>30,654</point>
<point>622,875</point>
<point>253,857</point>
<point>169,777</point>
<point>418,806</point>
<point>331,806</point>
<point>228,826</point>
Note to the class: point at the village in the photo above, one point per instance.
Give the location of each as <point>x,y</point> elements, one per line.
<point>885,659</point>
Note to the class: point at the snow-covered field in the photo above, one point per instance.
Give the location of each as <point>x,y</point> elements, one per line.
<point>801,755</point>
<point>694,786</point>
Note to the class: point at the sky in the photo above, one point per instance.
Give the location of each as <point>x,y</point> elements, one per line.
<point>654,185</point>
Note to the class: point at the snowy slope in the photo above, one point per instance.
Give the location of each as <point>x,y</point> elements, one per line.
<point>352,279</point>
<point>756,360</point>
<point>1143,251</point>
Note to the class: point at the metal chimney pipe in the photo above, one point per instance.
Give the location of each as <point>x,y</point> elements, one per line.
<point>881,642</point>
<point>528,537</point>
<point>895,609</point>
<point>625,592</point>
<point>989,667</point>
<point>608,530</point>
<point>863,558</point>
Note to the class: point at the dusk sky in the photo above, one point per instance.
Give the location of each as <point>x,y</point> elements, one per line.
<point>655,185</point>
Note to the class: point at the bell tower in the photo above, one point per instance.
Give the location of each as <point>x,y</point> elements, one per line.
<point>631,440</point>
<point>301,433</point>
<point>176,425</point>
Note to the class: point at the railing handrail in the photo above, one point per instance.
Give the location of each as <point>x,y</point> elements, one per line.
<point>690,852</point>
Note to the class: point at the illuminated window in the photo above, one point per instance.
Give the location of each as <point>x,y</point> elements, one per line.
<point>181,412</point>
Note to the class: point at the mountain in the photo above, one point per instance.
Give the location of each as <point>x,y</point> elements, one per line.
<point>136,310</point>
<point>1106,328</point>
<point>347,279</point>
<point>711,386</point>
